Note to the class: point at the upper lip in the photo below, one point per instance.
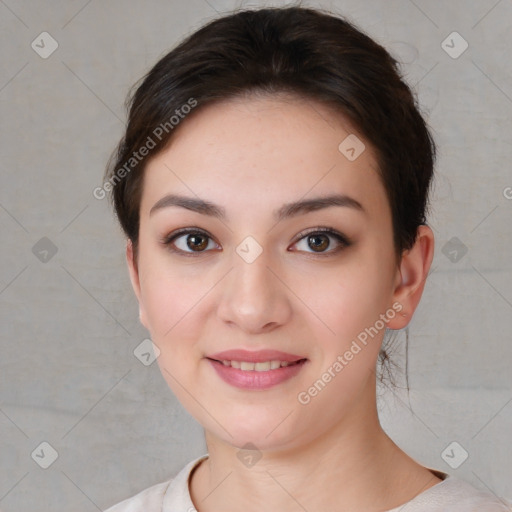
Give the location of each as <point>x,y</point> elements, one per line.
<point>258,356</point>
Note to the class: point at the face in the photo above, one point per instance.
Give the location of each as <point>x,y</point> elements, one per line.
<point>266,270</point>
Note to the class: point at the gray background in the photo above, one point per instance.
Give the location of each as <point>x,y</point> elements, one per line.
<point>69,321</point>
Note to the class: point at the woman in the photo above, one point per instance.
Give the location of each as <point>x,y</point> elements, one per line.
<point>272,185</point>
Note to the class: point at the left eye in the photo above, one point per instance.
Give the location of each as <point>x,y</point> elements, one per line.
<point>321,240</point>
<point>190,241</point>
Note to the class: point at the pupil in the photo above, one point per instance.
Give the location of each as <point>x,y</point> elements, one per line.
<point>196,242</point>
<point>319,242</point>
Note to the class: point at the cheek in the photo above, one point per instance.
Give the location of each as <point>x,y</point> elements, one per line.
<point>168,295</point>
<point>174,303</point>
<point>171,305</point>
<point>347,299</point>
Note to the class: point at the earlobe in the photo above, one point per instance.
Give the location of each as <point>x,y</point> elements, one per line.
<point>411,276</point>
<point>133,270</point>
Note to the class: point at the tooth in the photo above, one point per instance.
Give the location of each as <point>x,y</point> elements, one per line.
<point>259,367</point>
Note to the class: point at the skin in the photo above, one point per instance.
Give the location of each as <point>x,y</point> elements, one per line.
<point>251,156</point>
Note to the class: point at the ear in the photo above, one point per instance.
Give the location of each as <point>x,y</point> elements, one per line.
<point>411,276</point>
<point>133,270</point>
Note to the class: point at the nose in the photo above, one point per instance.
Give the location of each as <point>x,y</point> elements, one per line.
<point>253,298</point>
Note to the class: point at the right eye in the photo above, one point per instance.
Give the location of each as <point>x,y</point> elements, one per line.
<point>190,242</point>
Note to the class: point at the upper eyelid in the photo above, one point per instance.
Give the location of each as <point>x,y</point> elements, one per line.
<point>319,229</point>
<point>186,231</point>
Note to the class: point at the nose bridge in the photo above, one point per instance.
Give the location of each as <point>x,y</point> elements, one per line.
<point>252,278</point>
<point>253,298</point>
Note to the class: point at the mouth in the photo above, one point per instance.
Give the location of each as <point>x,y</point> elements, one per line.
<point>256,370</point>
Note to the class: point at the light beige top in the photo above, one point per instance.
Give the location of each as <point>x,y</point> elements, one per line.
<point>450,495</point>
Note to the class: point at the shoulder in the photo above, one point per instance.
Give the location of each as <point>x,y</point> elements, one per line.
<point>456,495</point>
<point>162,497</point>
<point>468,498</point>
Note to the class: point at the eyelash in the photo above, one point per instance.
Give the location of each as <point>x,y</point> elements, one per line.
<point>342,240</point>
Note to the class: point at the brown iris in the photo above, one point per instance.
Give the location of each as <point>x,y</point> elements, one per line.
<point>197,242</point>
<point>318,242</point>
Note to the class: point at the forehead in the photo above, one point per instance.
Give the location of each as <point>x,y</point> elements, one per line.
<point>264,151</point>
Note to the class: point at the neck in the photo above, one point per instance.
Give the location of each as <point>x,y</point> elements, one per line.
<point>353,467</point>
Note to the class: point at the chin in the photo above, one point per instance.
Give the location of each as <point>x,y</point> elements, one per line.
<point>265,432</point>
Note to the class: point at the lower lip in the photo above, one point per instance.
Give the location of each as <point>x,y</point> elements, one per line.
<point>251,379</point>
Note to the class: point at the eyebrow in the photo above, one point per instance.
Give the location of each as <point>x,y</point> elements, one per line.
<point>286,211</point>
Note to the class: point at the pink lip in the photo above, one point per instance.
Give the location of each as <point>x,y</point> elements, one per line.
<point>253,379</point>
<point>258,356</point>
